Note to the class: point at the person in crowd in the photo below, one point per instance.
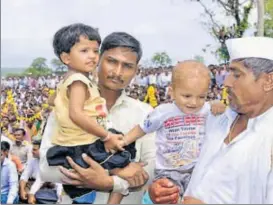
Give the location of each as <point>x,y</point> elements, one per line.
<point>21,148</point>
<point>235,165</point>
<point>9,177</point>
<point>30,180</point>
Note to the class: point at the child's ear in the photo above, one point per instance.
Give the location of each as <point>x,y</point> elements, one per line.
<point>65,58</point>
<point>170,91</point>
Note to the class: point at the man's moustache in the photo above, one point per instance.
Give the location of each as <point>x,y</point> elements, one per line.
<point>115,78</point>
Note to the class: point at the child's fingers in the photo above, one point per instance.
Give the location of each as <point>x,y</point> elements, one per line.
<point>120,148</point>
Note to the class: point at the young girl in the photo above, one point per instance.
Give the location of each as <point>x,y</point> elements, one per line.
<point>79,109</point>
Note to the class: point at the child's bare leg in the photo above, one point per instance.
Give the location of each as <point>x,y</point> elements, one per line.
<point>115,198</point>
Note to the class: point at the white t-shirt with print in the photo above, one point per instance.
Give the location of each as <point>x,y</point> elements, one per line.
<point>179,136</point>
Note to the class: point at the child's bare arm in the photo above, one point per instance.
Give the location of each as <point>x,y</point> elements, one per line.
<point>134,134</point>
<point>78,94</point>
<point>115,198</point>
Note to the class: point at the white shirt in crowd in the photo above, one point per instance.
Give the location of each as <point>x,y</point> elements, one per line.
<point>240,172</point>
<point>118,116</point>
<point>164,79</point>
<point>152,79</point>
<point>32,171</point>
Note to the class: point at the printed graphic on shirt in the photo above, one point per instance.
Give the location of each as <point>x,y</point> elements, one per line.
<point>184,137</point>
<point>147,123</point>
<point>101,118</point>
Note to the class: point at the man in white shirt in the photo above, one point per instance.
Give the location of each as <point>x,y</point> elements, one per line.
<point>30,181</point>
<point>124,114</point>
<point>152,78</point>
<point>236,161</point>
<point>21,148</point>
<point>165,79</point>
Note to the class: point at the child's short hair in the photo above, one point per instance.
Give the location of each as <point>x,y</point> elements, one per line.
<point>68,36</point>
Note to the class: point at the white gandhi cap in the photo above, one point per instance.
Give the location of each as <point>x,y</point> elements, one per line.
<point>248,47</point>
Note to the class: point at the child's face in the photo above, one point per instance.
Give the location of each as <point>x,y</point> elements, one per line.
<point>190,94</point>
<point>83,56</point>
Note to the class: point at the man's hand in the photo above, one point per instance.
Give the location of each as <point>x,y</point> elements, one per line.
<point>163,191</point>
<point>31,199</point>
<point>94,177</point>
<point>23,195</point>
<point>191,200</point>
<point>217,108</point>
<point>133,173</point>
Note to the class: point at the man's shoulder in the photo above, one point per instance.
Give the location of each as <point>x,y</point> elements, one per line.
<point>138,105</point>
<point>9,163</point>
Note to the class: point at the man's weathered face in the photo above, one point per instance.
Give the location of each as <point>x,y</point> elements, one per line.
<point>117,67</point>
<point>246,92</point>
<point>19,137</point>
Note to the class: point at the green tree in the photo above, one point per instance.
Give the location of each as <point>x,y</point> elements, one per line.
<point>39,63</point>
<point>269,18</point>
<point>199,58</point>
<point>161,59</point>
<point>58,65</point>
<point>236,10</point>
<point>38,67</point>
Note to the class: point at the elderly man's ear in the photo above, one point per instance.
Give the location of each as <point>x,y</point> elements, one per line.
<point>268,85</point>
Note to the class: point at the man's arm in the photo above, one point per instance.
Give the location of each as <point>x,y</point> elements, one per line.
<point>23,181</point>
<point>147,154</point>
<point>13,184</point>
<point>36,185</point>
<point>29,153</point>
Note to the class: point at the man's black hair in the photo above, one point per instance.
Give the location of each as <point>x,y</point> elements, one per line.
<point>121,39</point>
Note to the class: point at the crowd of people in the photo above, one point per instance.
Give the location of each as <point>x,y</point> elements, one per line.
<point>55,145</point>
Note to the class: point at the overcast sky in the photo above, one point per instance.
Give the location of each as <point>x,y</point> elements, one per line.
<point>27,26</point>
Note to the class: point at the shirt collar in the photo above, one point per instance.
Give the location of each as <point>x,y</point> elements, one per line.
<point>262,121</point>
<point>121,100</point>
<point>257,123</point>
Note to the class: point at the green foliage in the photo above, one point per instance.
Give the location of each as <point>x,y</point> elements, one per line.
<point>161,59</point>
<point>199,58</point>
<point>58,65</point>
<point>236,10</point>
<point>222,53</point>
<point>269,18</point>
<point>38,67</point>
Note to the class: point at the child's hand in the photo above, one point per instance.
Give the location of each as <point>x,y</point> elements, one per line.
<point>115,142</point>
<point>217,108</point>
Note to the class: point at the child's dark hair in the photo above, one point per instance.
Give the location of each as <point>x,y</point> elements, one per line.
<point>37,142</point>
<point>121,39</point>
<point>66,37</point>
<point>5,146</point>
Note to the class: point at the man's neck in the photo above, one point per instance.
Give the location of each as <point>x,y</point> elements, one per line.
<point>262,109</point>
<point>110,96</point>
